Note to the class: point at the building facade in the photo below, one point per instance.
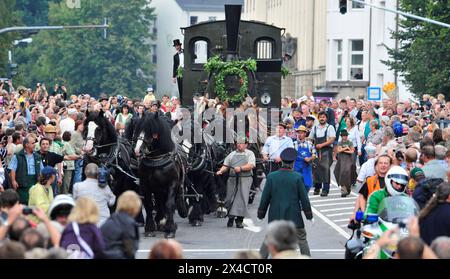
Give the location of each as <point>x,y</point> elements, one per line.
<point>304,39</point>
<point>357,44</point>
<point>171,16</point>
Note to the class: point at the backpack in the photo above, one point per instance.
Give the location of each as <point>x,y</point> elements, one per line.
<point>425,189</point>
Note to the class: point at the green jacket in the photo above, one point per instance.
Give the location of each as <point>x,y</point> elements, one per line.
<point>286,194</point>
<point>375,200</point>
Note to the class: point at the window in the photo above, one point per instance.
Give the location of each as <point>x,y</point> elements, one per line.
<point>212,18</point>
<point>339,59</point>
<point>154,56</point>
<point>357,59</point>
<point>200,52</point>
<point>194,20</point>
<point>358,5</point>
<point>154,29</point>
<point>264,49</point>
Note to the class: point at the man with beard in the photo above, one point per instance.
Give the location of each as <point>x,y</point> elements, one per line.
<point>323,136</point>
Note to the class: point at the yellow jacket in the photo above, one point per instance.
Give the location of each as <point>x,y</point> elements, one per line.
<point>41,197</point>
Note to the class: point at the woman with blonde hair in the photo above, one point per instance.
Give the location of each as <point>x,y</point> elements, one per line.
<point>120,231</point>
<point>81,237</point>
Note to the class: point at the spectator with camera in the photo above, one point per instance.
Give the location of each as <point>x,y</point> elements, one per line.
<point>96,189</point>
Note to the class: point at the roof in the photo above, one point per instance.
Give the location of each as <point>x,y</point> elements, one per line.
<point>207,5</point>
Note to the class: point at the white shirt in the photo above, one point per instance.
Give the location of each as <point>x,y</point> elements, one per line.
<point>67,124</point>
<point>320,131</point>
<point>103,197</point>
<point>176,115</point>
<point>367,170</point>
<point>181,55</point>
<point>275,145</point>
<point>353,136</point>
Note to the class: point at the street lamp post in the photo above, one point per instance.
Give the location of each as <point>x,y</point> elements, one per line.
<point>11,66</point>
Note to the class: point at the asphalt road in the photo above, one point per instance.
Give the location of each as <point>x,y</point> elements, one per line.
<point>213,240</point>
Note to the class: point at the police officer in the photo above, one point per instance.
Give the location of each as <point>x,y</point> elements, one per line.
<point>285,192</point>
<point>306,153</point>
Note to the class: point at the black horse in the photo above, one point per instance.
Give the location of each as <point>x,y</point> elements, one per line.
<point>161,172</point>
<point>109,151</point>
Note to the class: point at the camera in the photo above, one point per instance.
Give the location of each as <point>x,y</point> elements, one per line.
<point>27,211</point>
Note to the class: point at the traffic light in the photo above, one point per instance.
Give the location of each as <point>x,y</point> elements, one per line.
<point>12,70</point>
<point>343,6</point>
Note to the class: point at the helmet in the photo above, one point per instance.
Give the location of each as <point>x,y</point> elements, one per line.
<point>398,175</point>
<point>61,204</point>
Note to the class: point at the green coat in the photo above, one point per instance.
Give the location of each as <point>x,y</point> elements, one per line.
<point>286,194</point>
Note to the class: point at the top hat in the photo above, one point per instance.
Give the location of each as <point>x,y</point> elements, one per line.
<point>176,42</point>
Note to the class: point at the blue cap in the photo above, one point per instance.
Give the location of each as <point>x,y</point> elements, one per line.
<point>47,171</point>
<point>288,155</point>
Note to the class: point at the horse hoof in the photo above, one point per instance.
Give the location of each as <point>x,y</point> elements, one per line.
<point>196,223</point>
<point>149,234</point>
<point>160,228</point>
<point>170,235</point>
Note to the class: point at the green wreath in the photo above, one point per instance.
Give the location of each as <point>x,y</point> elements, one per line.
<point>221,70</point>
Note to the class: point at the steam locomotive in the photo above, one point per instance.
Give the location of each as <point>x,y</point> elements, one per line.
<point>231,40</point>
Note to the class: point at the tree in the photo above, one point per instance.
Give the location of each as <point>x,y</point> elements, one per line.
<point>8,18</point>
<point>423,56</point>
<point>34,12</point>
<point>83,60</point>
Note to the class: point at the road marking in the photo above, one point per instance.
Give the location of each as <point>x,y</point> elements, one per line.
<point>341,220</point>
<point>318,196</point>
<point>237,250</point>
<point>341,203</point>
<point>326,200</point>
<point>335,184</point>
<point>338,214</point>
<point>336,209</point>
<point>329,222</point>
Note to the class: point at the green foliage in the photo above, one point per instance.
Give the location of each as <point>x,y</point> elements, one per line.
<point>423,56</point>
<point>34,12</point>
<point>285,72</point>
<point>221,70</point>
<point>83,59</point>
<point>180,72</point>
<point>8,18</point>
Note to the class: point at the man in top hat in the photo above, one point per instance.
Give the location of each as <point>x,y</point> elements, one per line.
<point>285,192</point>
<point>306,153</point>
<point>178,61</point>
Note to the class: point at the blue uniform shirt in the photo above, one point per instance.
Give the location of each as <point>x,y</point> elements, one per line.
<point>30,164</point>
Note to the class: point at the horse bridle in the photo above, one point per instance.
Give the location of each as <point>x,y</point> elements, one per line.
<point>147,151</point>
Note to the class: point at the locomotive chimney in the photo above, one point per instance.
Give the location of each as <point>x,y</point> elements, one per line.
<point>233,19</point>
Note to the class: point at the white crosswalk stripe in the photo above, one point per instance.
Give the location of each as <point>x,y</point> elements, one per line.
<point>336,209</point>
<point>330,204</point>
